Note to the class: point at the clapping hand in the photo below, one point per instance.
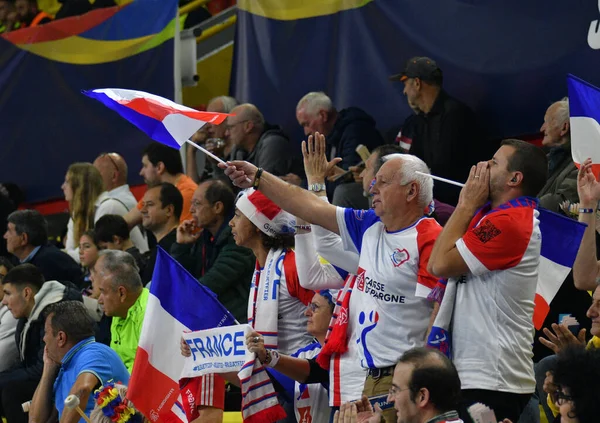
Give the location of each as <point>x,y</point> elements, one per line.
<point>588,187</point>
<point>561,338</point>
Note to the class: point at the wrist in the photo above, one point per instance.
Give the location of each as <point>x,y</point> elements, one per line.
<point>315,180</point>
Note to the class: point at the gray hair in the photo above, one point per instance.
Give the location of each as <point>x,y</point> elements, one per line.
<point>122,268</point>
<point>314,102</point>
<point>228,103</point>
<point>561,113</point>
<point>32,223</point>
<point>251,113</point>
<point>410,165</point>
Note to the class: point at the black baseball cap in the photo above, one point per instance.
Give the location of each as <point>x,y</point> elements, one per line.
<point>423,68</point>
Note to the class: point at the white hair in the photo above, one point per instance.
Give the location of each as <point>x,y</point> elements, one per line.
<point>561,113</point>
<point>410,165</point>
<point>228,103</point>
<point>314,102</point>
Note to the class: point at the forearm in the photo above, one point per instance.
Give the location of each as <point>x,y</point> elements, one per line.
<point>71,415</point>
<point>41,403</point>
<point>585,269</point>
<point>313,274</point>
<point>299,202</point>
<point>190,162</point>
<point>434,313</point>
<point>454,229</point>
<point>297,369</point>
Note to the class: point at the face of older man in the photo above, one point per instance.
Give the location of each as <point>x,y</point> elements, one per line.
<point>390,197</point>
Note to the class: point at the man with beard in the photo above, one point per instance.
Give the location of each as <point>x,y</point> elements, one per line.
<point>491,245</point>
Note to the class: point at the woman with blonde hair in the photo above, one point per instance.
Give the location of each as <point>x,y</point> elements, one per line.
<point>84,191</point>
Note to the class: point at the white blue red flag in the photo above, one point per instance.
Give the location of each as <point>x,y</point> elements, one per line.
<point>584,109</point>
<point>177,303</point>
<point>161,119</point>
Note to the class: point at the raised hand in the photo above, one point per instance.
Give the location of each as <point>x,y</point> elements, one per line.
<point>588,187</point>
<point>185,232</point>
<point>561,338</point>
<point>316,166</point>
<point>241,173</point>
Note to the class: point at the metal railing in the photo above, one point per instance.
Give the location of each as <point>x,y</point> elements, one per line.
<point>213,30</point>
<point>192,6</point>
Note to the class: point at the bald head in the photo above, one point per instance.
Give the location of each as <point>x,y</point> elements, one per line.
<point>249,112</point>
<point>113,169</point>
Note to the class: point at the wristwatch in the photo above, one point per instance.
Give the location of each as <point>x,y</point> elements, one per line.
<point>317,187</point>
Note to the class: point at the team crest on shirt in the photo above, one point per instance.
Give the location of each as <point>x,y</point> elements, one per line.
<point>360,279</point>
<point>400,256</point>
<point>305,416</point>
<point>359,214</point>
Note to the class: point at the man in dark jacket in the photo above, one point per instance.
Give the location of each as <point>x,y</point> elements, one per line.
<point>27,239</point>
<point>446,133</point>
<point>562,173</point>
<point>26,294</point>
<point>344,130</point>
<point>262,145</point>
<point>212,255</point>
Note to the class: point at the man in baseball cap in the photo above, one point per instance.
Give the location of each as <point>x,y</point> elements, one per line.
<point>445,132</point>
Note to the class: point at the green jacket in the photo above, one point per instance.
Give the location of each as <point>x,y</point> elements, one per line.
<point>222,266</point>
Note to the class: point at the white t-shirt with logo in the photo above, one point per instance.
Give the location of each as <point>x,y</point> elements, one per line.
<point>389,305</point>
<point>492,328</point>
<point>311,402</point>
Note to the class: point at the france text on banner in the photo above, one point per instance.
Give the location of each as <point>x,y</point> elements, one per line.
<point>584,110</point>
<point>218,350</point>
<point>177,303</point>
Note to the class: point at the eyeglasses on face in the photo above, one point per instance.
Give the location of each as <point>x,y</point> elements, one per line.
<point>393,391</point>
<point>561,397</point>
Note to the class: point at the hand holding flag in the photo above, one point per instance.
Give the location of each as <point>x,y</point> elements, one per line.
<point>588,187</point>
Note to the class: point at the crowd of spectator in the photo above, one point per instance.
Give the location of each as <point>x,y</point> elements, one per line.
<point>367,249</point>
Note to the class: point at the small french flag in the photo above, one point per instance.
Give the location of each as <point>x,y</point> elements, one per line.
<point>584,110</point>
<point>161,119</point>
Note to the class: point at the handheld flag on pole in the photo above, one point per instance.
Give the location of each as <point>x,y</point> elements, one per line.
<point>177,303</point>
<point>584,110</point>
<point>161,119</point>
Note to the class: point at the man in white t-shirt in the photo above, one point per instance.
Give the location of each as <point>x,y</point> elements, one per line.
<point>492,245</point>
<point>389,300</point>
<point>118,198</point>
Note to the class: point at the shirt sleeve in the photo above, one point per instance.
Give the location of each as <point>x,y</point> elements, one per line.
<point>427,232</point>
<point>498,242</point>
<point>353,224</point>
<point>314,273</point>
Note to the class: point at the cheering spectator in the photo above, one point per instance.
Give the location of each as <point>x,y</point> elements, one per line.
<point>493,248</point>
<point>390,305</point>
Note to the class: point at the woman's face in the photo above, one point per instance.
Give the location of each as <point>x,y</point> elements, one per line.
<point>319,316</point>
<point>566,407</point>
<point>243,231</point>
<point>67,189</point>
<point>88,252</point>
<point>3,272</point>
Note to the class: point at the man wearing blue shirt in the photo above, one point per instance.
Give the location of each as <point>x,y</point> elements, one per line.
<point>74,363</point>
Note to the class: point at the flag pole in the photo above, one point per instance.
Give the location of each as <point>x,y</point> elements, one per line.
<point>205,151</point>
<point>438,178</point>
<point>208,153</point>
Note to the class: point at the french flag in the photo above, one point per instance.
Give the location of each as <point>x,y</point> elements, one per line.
<point>561,238</point>
<point>584,110</point>
<point>161,119</point>
<point>177,303</point>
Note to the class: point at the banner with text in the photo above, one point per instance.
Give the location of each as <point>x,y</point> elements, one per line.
<point>218,350</point>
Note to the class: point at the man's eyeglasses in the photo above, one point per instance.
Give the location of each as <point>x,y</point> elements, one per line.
<point>233,125</point>
<point>393,390</point>
<point>561,397</point>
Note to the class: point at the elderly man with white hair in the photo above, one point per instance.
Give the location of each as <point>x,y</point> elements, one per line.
<point>394,240</point>
<point>562,173</point>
